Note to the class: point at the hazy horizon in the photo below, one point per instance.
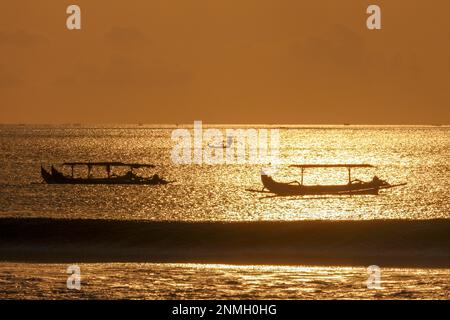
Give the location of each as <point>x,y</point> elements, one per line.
<point>207,124</point>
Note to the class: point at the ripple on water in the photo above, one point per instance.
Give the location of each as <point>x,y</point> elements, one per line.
<point>193,281</point>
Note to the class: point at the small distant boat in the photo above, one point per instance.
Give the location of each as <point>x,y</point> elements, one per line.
<point>224,145</point>
<point>57,177</point>
<point>356,187</point>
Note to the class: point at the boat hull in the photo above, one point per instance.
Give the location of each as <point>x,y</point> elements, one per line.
<point>286,189</point>
<point>55,177</point>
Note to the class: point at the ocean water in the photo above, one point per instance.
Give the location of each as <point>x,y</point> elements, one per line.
<point>415,155</point>
<point>217,194</point>
<point>215,281</point>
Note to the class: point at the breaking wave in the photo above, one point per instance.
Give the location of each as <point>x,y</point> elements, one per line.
<point>381,242</point>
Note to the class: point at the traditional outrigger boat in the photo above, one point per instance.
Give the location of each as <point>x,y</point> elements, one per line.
<point>355,186</point>
<point>57,177</point>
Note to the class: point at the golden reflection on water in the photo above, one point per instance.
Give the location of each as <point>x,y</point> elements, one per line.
<point>414,155</point>
<point>219,281</point>
<point>418,156</point>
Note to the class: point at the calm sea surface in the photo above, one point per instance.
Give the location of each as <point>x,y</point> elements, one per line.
<point>416,155</point>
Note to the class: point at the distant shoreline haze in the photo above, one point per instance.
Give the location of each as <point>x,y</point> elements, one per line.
<point>173,124</point>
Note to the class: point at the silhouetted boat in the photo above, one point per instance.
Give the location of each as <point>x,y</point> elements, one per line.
<point>298,188</point>
<point>57,177</point>
<point>225,144</point>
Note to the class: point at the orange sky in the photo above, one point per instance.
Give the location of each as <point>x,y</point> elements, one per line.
<point>225,61</point>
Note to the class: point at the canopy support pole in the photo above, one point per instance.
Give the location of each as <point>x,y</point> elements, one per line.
<point>302,176</point>
<point>349,176</point>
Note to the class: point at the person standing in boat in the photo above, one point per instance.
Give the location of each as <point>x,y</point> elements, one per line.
<point>378,182</point>
<point>156,178</point>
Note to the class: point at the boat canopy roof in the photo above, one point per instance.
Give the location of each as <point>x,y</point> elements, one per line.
<point>110,164</point>
<point>332,166</point>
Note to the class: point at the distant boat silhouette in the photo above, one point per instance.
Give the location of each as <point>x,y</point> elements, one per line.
<point>225,144</point>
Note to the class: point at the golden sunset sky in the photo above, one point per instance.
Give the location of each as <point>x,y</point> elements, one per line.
<point>225,61</point>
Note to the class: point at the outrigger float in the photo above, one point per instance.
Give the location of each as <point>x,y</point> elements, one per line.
<point>57,177</point>
<point>296,188</point>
